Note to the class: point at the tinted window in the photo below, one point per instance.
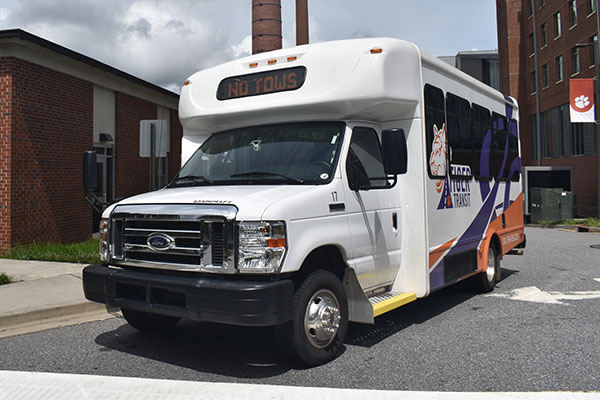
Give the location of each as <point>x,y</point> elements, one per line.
<point>513,149</point>
<point>499,156</point>
<point>365,160</point>
<point>435,132</point>
<point>481,155</point>
<point>460,139</point>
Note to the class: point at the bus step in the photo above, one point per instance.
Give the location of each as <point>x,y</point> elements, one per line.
<point>388,301</point>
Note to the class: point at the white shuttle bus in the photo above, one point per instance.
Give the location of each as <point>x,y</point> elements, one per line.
<point>321,184</point>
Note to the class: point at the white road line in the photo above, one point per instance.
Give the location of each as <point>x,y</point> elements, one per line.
<point>16,385</point>
<point>597,279</point>
<point>535,295</point>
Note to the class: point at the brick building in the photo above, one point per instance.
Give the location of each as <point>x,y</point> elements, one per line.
<point>55,104</point>
<point>560,26</point>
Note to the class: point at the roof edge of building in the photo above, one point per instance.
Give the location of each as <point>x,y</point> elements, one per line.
<point>46,44</point>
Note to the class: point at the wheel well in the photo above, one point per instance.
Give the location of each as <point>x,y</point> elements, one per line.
<point>495,241</point>
<point>327,257</point>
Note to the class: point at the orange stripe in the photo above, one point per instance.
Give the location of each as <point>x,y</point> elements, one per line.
<point>437,253</point>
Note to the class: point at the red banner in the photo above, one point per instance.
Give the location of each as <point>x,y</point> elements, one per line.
<point>581,93</point>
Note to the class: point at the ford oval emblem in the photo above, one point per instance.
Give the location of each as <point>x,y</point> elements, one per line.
<point>160,242</point>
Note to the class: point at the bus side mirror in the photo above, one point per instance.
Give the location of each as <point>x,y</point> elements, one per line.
<point>395,152</point>
<point>90,173</point>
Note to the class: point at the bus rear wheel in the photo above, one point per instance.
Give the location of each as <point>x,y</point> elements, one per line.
<point>316,333</point>
<point>491,276</point>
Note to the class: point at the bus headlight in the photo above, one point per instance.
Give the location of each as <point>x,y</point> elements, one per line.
<point>262,246</point>
<point>103,231</point>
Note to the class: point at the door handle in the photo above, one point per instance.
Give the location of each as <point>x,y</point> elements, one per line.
<point>395,221</point>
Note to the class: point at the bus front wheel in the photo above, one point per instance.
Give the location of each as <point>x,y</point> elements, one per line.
<point>316,333</point>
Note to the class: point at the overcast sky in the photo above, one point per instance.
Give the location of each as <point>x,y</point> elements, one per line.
<point>165,41</point>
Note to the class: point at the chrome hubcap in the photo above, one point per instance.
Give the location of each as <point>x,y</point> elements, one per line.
<point>491,267</point>
<point>322,318</point>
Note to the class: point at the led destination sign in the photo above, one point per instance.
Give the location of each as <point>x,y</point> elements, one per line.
<point>280,80</point>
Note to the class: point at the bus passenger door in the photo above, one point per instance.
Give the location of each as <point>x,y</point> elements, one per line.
<point>374,214</point>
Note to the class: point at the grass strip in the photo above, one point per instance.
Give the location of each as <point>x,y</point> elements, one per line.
<point>83,252</point>
<point>589,222</point>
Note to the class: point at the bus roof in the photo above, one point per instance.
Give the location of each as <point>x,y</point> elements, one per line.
<point>375,79</point>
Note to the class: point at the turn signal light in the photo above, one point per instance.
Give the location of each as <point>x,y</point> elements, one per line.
<point>276,242</point>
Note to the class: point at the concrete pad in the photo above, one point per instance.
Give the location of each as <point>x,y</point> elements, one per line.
<point>23,270</point>
<point>50,386</point>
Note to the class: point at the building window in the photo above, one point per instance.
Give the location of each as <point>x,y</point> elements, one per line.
<point>542,3</point>
<point>559,69</point>
<point>491,75</point>
<point>575,60</point>
<point>531,44</point>
<point>591,4</point>
<point>544,129</point>
<point>573,12</point>
<point>533,80</point>
<point>545,75</point>
<point>577,139</point>
<point>557,25</point>
<point>543,31</point>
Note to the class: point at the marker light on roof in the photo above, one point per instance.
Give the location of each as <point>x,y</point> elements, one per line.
<point>293,58</point>
<point>253,65</point>
<point>377,51</point>
<point>272,62</point>
<point>186,83</point>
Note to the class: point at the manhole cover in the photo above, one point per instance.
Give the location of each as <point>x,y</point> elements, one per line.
<point>595,246</point>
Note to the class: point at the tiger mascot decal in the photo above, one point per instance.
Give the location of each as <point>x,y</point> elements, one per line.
<point>438,157</point>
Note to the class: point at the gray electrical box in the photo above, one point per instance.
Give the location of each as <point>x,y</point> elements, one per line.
<point>550,205</point>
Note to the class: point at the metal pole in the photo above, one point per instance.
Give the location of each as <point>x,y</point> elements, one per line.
<point>538,135</point>
<point>597,88</point>
<point>152,155</point>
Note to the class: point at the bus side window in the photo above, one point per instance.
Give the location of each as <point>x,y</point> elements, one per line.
<point>499,156</point>
<point>435,132</point>
<point>481,155</point>
<point>513,149</point>
<point>460,139</point>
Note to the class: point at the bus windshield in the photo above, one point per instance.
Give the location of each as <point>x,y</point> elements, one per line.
<point>300,153</point>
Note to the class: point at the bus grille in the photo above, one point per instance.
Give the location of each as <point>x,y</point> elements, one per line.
<point>175,242</point>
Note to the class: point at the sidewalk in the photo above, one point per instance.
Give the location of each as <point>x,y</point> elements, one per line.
<point>46,295</point>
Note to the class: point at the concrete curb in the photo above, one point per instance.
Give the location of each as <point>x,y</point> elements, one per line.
<point>40,319</point>
<point>575,228</point>
<point>48,295</point>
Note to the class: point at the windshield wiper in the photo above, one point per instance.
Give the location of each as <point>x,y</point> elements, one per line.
<point>193,178</point>
<point>264,173</point>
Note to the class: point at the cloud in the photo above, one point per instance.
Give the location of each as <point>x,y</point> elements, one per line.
<point>160,41</point>
<point>242,49</point>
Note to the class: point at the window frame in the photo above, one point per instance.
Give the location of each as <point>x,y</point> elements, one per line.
<point>428,134</point>
<point>557,25</point>
<point>559,68</point>
<point>355,184</point>
<point>462,106</point>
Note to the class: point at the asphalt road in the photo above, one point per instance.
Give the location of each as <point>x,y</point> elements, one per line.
<point>454,340</point>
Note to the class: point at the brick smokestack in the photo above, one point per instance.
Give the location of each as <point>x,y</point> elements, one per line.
<point>266,25</point>
<point>301,22</point>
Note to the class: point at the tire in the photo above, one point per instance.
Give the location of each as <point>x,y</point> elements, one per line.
<point>316,333</point>
<point>491,276</point>
<point>148,322</point>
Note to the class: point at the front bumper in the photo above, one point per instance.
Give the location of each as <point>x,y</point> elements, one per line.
<point>198,298</point>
